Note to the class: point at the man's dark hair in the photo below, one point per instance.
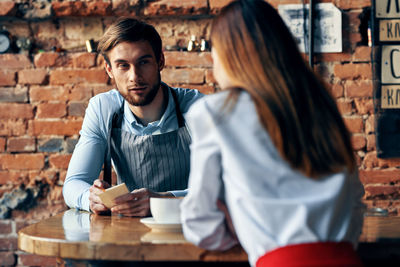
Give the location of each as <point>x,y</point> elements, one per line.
<point>129,30</point>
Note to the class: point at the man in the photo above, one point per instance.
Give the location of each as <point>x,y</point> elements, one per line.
<point>139,126</point>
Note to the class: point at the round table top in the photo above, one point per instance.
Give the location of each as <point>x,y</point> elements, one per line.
<point>81,235</point>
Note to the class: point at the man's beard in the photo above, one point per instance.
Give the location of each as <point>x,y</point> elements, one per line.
<point>147,99</point>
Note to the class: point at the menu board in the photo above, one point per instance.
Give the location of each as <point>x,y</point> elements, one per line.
<point>385,23</point>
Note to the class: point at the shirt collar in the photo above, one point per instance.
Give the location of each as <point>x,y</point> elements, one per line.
<point>159,123</point>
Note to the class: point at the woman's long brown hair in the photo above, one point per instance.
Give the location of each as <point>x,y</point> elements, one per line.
<point>261,57</point>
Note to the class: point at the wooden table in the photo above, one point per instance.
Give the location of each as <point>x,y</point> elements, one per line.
<point>83,236</point>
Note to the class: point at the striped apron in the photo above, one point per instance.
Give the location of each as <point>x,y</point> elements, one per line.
<point>157,162</point>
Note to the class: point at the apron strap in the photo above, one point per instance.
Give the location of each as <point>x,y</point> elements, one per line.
<point>107,156</point>
<point>179,116</point>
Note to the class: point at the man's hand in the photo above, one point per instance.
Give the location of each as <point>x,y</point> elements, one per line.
<point>136,203</point>
<point>96,205</point>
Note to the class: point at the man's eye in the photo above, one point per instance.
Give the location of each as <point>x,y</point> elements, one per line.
<point>143,62</point>
<point>123,66</point>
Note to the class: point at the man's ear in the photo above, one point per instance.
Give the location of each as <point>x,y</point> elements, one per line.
<point>108,69</point>
<point>161,62</point>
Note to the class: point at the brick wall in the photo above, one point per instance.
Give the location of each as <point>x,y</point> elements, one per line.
<point>43,95</point>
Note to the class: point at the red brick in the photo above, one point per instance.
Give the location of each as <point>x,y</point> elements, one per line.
<point>353,71</point>
<point>370,160</point>
<point>373,161</point>
<point>358,142</point>
<point>381,192</point>
<point>98,8</point>
<point>332,57</point>
<point>352,4</point>
<point>345,106</point>
<point>7,257</point>
<point>42,210</point>
<point>354,21</point>
<point>97,89</point>
<point>46,59</point>
<point>83,92</point>
<point>210,76</point>
<point>371,142</point>
<point>176,7</point>
<point>51,110</point>
<point>125,8</point>
<point>337,90</point>
<point>41,127</point>
<point>380,176</point>
<point>354,38</point>
<point>362,54</point>
<point>63,175</point>
<point>78,8</point>
<point>370,124</point>
<point>48,93</point>
<point>32,76</point>
<point>186,76</point>
<point>84,60</point>
<point>9,243</point>
<point>7,77</point>
<point>35,260</point>
<point>45,176</point>
<point>188,59</point>
<point>21,161</point>
<point>2,144</point>
<point>7,8</point>
<point>12,127</point>
<point>15,61</point>
<point>76,109</point>
<point>15,111</point>
<point>5,227</point>
<point>78,76</point>
<point>354,124</point>
<point>58,161</point>
<point>358,88</point>
<point>21,144</point>
<point>364,106</point>
<point>61,9</point>
<point>56,194</point>
<point>14,177</point>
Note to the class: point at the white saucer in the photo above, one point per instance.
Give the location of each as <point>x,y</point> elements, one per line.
<point>161,227</point>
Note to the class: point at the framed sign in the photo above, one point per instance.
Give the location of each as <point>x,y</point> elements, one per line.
<point>385,21</point>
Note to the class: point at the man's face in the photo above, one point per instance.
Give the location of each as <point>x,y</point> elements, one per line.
<point>135,71</point>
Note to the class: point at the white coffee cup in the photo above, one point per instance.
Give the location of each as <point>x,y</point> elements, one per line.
<point>166,209</point>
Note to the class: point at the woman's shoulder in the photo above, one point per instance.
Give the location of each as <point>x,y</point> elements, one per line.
<point>209,104</point>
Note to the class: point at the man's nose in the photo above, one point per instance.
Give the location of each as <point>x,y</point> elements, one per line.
<point>134,74</point>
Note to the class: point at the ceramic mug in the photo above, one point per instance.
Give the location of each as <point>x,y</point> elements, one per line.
<point>166,209</point>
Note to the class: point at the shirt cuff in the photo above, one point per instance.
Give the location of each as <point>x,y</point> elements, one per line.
<point>179,193</point>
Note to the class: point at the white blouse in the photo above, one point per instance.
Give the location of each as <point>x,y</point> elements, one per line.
<point>271,205</point>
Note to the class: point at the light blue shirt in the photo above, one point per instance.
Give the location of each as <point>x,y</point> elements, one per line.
<point>88,156</point>
<point>271,204</point>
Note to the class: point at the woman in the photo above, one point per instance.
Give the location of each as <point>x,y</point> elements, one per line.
<point>273,147</point>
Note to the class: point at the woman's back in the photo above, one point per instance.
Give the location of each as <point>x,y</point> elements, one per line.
<point>270,203</point>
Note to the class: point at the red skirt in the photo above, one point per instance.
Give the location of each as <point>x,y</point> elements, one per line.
<point>324,254</point>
